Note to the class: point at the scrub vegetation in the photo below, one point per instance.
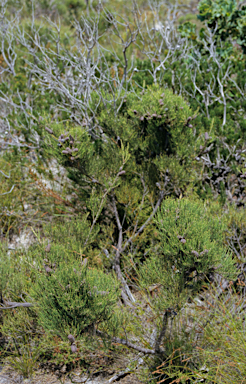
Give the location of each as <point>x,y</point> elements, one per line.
<point>123,155</point>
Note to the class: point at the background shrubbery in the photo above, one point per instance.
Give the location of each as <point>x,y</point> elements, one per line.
<point>122,140</point>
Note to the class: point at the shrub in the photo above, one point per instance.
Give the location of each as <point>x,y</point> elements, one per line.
<point>218,353</point>
<point>191,251</point>
<point>73,299</point>
<point>158,127</point>
<point>225,18</point>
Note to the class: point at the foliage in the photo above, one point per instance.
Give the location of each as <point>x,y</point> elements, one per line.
<point>191,239</point>
<point>25,351</point>
<point>220,349</point>
<point>128,137</point>
<point>157,127</point>
<point>72,302</point>
<point>155,145</point>
<point>5,270</point>
<point>225,356</point>
<point>225,18</point>
<point>12,269</point>
<point>88,303</point>
<point>24,361</point>
<point>235,233</point>
<point>191,251</point>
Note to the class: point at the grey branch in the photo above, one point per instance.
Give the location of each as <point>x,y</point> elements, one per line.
<point>13,304</point>
<point>5,193</point>
<point>136,347</point>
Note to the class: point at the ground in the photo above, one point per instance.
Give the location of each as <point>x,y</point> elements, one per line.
<point>8,376</point>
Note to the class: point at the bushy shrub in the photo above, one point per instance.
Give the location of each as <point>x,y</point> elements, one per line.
<point>158,127</point>
<point>223,345</point>
<point>152,136</point>
<point>73,299</point>
<point>218,340</point>
<point>127,137</point>
<point>191,251</point>
<point>225,18</point>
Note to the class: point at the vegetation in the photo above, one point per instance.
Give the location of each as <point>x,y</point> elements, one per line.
<point>122,141</point>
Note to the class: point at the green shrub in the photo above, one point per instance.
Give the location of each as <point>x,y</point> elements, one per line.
<point>223,344</point>
<point>230,20</point>
<point>152,136</point>
<point>122,165</point>
<point>73,299</point>
<point>218,340</point>
<point>191,251</point>
<point>22,350</point>
<point>158,127</point>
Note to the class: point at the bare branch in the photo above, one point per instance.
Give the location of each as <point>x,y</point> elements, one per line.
<point>6,193</point>
<point>13,304</point>
<point>138,348</point>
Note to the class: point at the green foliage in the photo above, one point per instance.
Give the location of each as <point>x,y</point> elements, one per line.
<point>218,353</point>
<point>24,360</point>
<point>12,270</point>
<point>12,189</point>
<point>74,7</point>
<point>73,299</point>
<point>25,196</point>
<point>235,232</point>
<point>151,135</point>
<point>72,238</point>
<point>166,138</point>
<point>157,127</point>
<point>209,10</point>
<point>191,249</point>
<point>188,29</point>
<point>18,327</point>
<point>22,335</point>
<point>5,271</point>
<point>163,120</point>
<point>225,18</point>
<point>143,76</point>
<point>224,344</point>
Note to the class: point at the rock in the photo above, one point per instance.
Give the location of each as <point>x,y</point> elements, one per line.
<point>63,368</point>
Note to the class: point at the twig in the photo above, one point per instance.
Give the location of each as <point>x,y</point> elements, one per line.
<point>13,304</point>
<point>5,193</point>
<point>127,343</point>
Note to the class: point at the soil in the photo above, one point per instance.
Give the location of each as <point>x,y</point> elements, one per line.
<point>8,376</point>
